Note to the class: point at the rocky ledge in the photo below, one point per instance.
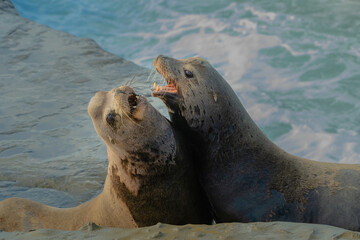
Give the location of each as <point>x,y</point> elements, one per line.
<point>32,53</point>
<point>274,230</point>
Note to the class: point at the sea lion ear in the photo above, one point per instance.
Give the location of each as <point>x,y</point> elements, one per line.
<point>203,61</point>
<point>199,60</point>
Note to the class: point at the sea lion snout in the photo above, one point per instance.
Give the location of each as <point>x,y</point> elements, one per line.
<point>96,103</point>
<point>130,103</point>
<point>123,90</point>
<point>171,70</point>
<point>160,58</point>
<point>167,66</point>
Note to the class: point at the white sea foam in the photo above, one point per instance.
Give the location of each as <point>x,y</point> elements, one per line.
<point>234,55</point>
<point>267,16</point>
<point>321,146</point>
<point>297,53</point>
<point>261,112</point>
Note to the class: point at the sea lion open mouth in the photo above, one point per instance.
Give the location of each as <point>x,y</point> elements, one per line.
<point>133,100</point>
<point>127,103</point>
<point>169,90</point>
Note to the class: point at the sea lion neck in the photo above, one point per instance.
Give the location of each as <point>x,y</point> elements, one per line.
<point>142,185</point>
<point>134,167</point>
<point>218,131</point>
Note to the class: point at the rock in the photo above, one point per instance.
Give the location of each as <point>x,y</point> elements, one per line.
<point>32,53</point>
<point>90,227</point>
<point>270,230</point>
<point>8,7</point>
<point>47,80</point>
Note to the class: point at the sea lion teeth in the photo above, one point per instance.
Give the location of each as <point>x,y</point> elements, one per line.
<point>246,176</point>
<point>170,88</point>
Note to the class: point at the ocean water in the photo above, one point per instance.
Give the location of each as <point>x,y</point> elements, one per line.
<point>294,64</point>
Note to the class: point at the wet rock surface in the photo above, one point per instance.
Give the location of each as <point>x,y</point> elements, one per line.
<point>31,54</point>
<point>47,80</point>
<point>274,230</point>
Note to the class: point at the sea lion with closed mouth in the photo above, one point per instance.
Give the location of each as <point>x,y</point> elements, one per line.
<point>150,177</point>
<point>246,176</point>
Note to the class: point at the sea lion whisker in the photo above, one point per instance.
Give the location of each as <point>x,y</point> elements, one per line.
<point>164,81</point>
<point>150,74</point>
<point>155,77</point>
<point>121,119</point>
<point>133,121</point>
<point>123,113</point>
<point>135,87</point>
<point>128,82</point>
<point>133,81</point>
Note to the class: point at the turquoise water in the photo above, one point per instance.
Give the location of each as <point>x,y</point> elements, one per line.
<point>294,64</point>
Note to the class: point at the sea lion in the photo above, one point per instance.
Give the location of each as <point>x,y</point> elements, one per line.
<point>247,177</point>
<point>150,178</point>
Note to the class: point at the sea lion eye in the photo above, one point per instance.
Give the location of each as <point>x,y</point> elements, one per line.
<point>110,119</point>
<point>188,74</point>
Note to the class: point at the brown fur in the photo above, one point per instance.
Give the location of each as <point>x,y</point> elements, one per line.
<point>150,177</point>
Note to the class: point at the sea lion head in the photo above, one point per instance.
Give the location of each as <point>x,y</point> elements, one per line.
<point>149,167</point>
<point>195,90</point>
<point>130,125</point>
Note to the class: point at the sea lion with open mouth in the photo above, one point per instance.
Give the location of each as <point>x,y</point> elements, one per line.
<point>246,176</point>
<point>150,176</point>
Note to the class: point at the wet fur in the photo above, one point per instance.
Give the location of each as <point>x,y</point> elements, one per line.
<point>246,177</point>
<point>150,176</point>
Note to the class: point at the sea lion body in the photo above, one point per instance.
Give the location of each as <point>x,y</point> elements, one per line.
<point>150,178</point>
<point>246,177</point>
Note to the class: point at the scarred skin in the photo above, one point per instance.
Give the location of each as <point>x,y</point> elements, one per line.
<point>246,176</point>
<point>150,177</point>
